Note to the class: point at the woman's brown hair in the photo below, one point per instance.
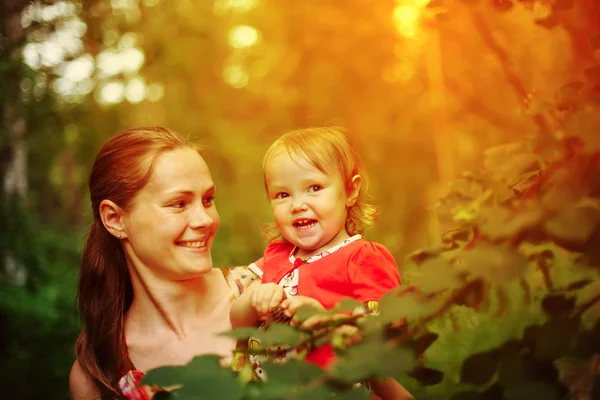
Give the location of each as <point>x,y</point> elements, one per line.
<point>122,168</point>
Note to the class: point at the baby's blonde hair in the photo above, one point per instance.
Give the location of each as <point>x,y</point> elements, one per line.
<point>324,148</point>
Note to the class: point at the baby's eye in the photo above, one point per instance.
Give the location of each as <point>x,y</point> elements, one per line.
<point>315,188</point>
<point>281,195</point>
<point>208,201</point>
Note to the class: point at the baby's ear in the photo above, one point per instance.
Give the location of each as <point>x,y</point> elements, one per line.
<point>353,190</point>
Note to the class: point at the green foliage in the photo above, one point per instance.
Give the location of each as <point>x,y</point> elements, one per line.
<point>39,323</point>
<point>519,265</point>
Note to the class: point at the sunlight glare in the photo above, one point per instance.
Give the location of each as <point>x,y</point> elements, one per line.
<point>235,76</point>
<point>135,90</point>
<point>407,20</point>
<point>241,36</point>
<point>110,93</point>
<point>79,69</point>
<point>221,7</point>
<point>155,92</point>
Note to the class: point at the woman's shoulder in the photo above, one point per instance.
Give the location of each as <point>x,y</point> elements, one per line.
<point>81,384</point>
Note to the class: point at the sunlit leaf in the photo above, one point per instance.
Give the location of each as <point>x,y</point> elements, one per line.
<point>422,255</point>
<point>502,5</point>
<point>437,275</point>
<point>548,23</point>
<point>573,226</point>
<point>394,308</point>
<point>503,223</point>
<point>568,94</point>
<point>494,263</point>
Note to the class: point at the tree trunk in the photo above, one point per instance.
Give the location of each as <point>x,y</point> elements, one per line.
<point>13,166</point>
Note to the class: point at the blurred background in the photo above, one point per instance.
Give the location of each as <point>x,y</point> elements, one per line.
<point>422,87</point>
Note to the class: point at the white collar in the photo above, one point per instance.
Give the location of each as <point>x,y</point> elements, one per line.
<point>326,252</point>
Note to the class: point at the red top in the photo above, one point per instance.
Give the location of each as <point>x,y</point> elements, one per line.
<point>361,270</point>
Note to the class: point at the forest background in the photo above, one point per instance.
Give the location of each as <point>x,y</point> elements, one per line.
<point>424,89</point>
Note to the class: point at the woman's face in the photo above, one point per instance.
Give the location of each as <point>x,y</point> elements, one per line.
<point>171,224</point>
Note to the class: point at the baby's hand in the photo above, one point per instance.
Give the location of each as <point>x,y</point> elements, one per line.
<point>291,305</point>
<point>265,298</point>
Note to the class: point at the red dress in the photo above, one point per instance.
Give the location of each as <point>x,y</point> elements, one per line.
<point>356,268</point>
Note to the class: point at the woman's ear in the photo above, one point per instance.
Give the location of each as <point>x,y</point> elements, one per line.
<point>111,216</point>
<point>353,190</point>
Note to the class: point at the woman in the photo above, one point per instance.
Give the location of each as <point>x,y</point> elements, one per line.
<point>147,293</point>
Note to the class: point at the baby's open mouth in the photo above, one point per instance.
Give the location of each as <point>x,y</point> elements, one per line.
<point>304,223</point>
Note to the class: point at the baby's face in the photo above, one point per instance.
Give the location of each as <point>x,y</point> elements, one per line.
<point>309,205</point>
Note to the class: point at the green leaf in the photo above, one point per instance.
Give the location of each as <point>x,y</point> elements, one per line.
<point>531,390</point>
<point>427,376</point>
<point>348,304</point>
<point>319,392</point>
<point>438,275</point>
<point>558,305</point>
<point>359,393</point>
<point>289,378</point>
<point>423,342</point>
<point>395,308</point>
<point>241,333</point>
<point>293,372</point>
<point>306,312</point>
<point>511,369</point>
<point>372,359</point>
<point>281,334</point>
<point>554,339</point>
<point>479,368</point>
<point>467,395</point>
<point>494,263</point>
<point>165,376</point>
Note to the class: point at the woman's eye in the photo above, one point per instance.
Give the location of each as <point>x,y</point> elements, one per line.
<point>281,195</point>
<point>315,188</point>
<point>178,204</point>
<point>208,201</point>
